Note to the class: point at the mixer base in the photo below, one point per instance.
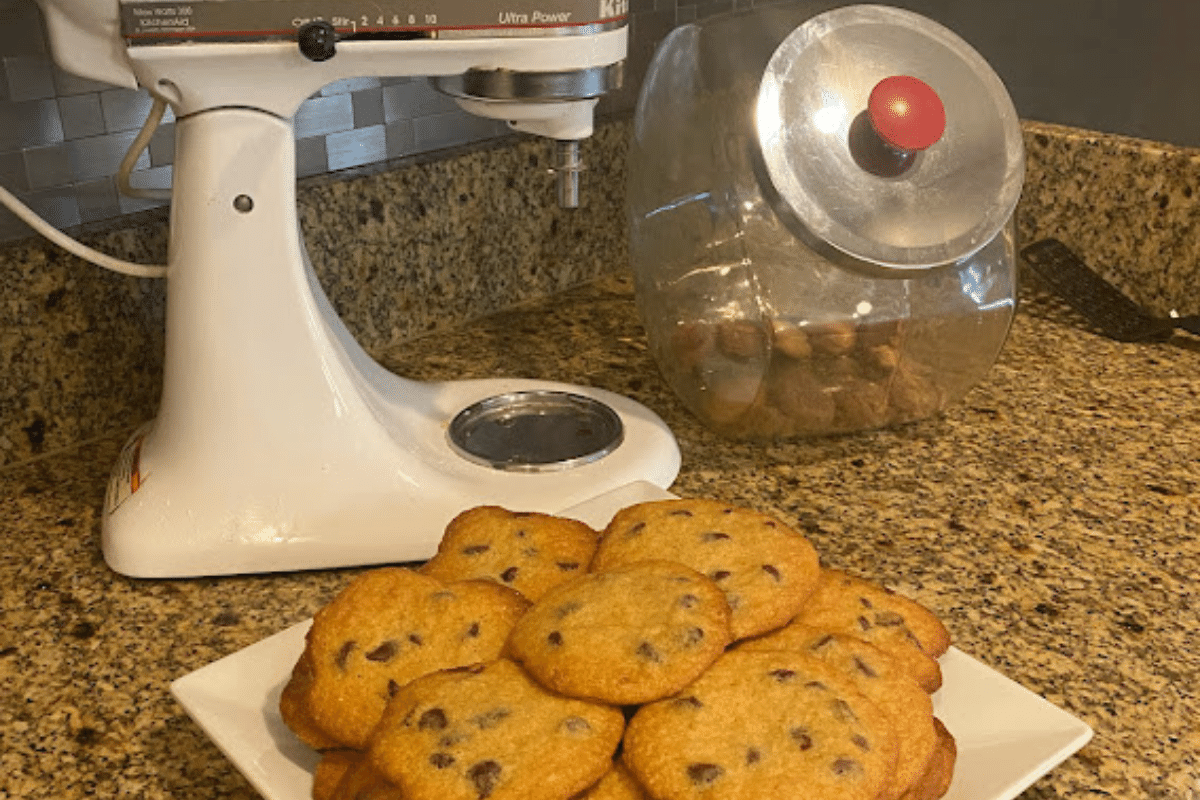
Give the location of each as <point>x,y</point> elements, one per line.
<point>280,444</point>
<point>386,506</point>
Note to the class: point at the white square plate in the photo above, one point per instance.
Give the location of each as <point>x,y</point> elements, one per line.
<point>1007,736</point>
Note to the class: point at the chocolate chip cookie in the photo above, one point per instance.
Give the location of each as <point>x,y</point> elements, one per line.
<point>939,773</point>
<point>633,634</point>
<point>617,784</point>
<point>759,726</point>
<point>903,628</point>
<point>331,769</point>
<point>526,551</point>
<point>766,569</point>
<point>348,775</point>
<point>491,731</point>
<point>293,707</point>
<point>390,626</point>
<point>882,680</point>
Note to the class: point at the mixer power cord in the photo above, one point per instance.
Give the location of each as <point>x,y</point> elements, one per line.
<point>77,248</point>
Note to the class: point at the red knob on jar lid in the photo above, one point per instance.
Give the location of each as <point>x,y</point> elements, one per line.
<point>906,112</point>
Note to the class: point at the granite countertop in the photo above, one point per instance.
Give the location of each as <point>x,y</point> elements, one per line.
<point>1052,519</point>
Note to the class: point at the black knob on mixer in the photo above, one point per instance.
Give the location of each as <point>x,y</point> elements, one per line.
<point>318,40</point>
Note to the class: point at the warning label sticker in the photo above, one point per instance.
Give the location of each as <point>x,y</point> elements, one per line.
<point>127,475</point>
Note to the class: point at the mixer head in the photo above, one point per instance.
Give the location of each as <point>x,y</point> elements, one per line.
<point>540,65</point>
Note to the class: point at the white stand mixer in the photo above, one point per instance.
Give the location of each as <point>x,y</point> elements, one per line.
<point>280,444</point>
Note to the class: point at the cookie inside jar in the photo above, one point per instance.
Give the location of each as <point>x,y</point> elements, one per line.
<point>769,377</point>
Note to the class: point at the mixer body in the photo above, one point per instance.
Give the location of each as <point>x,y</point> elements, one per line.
<point>280,444</point>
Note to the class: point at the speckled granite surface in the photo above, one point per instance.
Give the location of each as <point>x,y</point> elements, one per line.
<point>1129,207</point>
<point>404,251</point>
<point>1050,518</point>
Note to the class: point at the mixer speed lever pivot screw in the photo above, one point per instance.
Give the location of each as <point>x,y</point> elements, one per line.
<point>318,40</point>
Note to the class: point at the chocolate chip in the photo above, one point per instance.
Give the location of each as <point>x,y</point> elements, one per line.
<point>432,720</point>
<point>384,653</point>
<point>484,776</point>
<point>521,533</point>
<point>509,575</point>
<point>490,719</point>
<point>555,638</point>
<point>647,651</point>
<point>343,655</point>
<point>865,602</point>
<point>772,571</point>
<point>713,536</point>
<point>846,766</point>
<point>392,688</point>
<point>416,639</point>
<point>802,738</point>
<point>693,637</point>
<point>864,623</point>
<point>566,609</point>
<point>476,549</point>
<point>472,631</point>
<point>681,512</point>
<point>861,742</point>
<point>865,668</point>
<point>704,774</point>
<point>753,756</point>
<point>720,574</point>
<point>441,760</point>
<point>568,566</point>
<point>576,725</point>
<point>842,710</point>
<point>816,685</point>
<point>529,552</point>
<point>782,675</point>
<point>635,529</point>
<point>688,601</point>
<point>821,643</point>
<point>888,619</point>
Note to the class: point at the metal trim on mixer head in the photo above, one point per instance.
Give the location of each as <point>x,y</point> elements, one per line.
<point>507,84</point>
<point>525,32</point>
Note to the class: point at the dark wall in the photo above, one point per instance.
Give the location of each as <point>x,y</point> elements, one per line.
<point>1117,66</point>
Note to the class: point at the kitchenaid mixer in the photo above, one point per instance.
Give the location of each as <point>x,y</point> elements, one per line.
<point>280,444</point>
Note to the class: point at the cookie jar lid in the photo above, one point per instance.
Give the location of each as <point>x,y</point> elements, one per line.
<point>889,138</point>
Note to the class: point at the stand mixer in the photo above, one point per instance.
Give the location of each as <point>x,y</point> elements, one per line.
<point>280,444</point>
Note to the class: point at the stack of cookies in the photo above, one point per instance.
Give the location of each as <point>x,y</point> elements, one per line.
<point>692,650</point>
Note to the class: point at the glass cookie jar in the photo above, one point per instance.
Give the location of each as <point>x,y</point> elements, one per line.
<point>821,208</point>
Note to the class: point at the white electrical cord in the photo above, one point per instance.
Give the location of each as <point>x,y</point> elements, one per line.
<point>135,151</point>
<point>77,248</point>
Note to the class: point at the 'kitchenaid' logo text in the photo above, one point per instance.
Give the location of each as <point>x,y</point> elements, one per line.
<point>613,8</point>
